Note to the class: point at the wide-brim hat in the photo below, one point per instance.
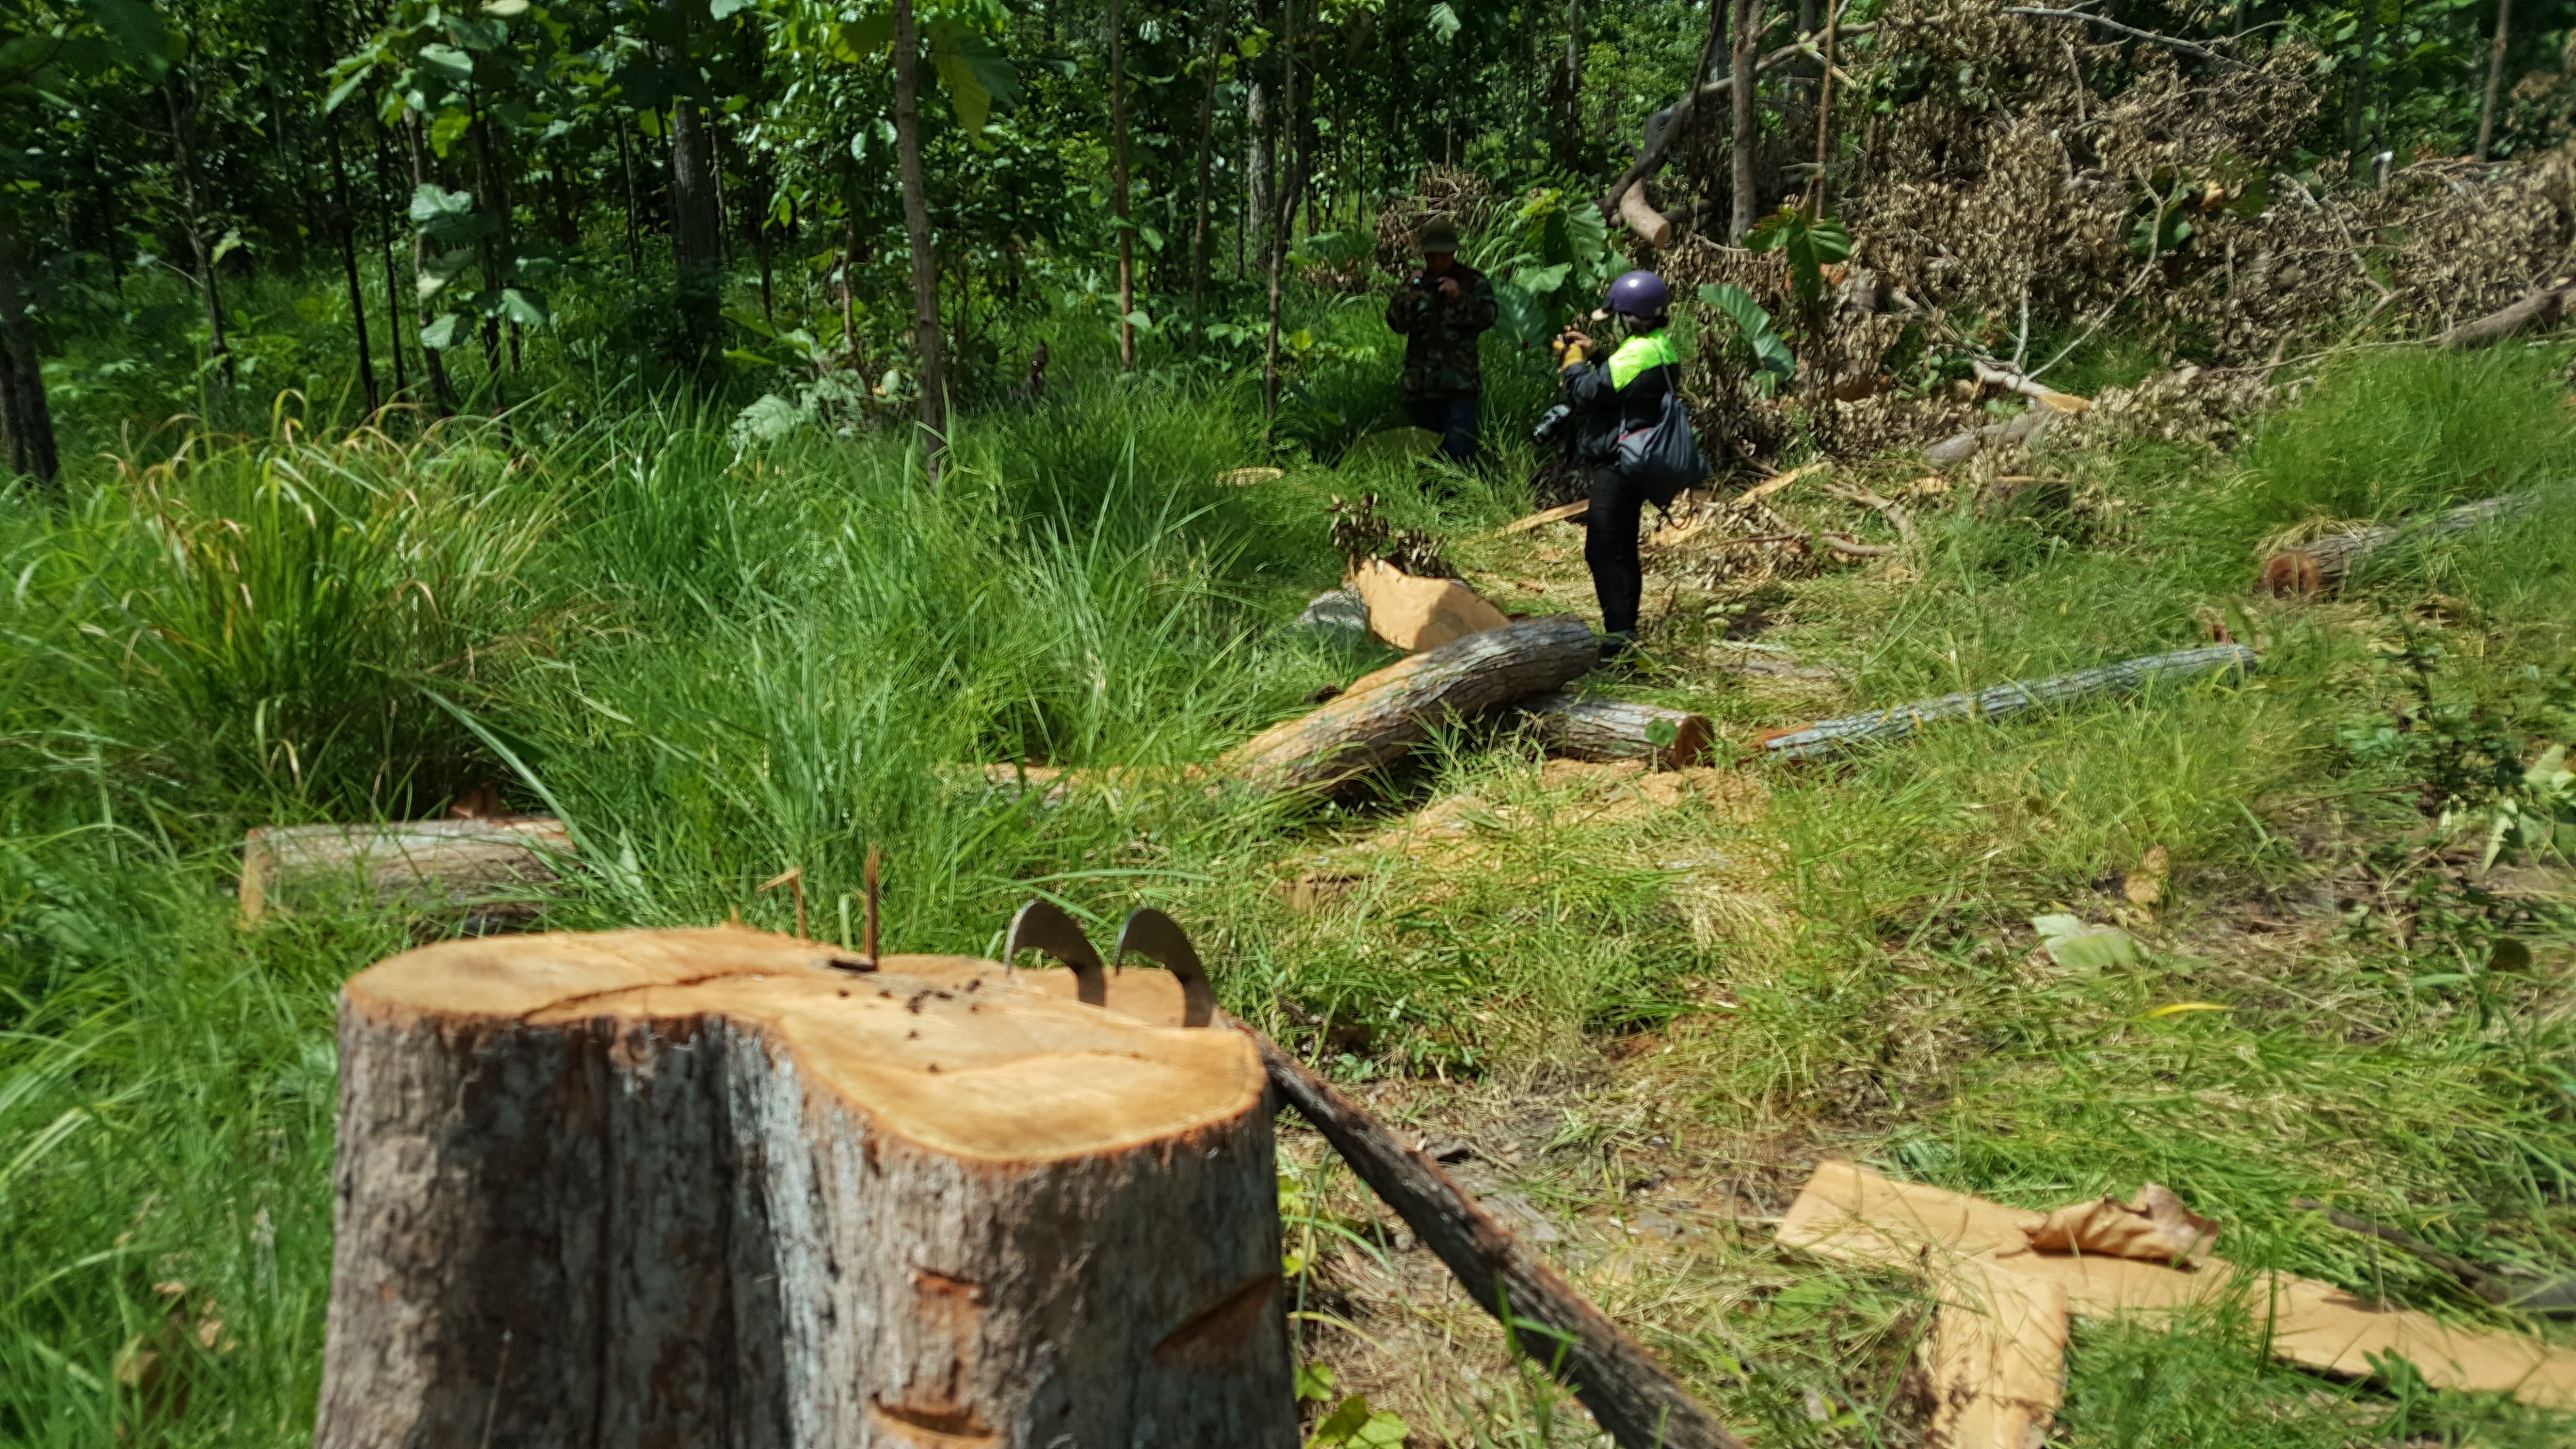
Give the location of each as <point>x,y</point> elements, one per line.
<point>1439,234</point>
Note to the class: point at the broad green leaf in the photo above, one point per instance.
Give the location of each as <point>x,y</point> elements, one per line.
<point>448,217</point>
<point>966,93</point>
<point>231,243</point>
<point>1345,1421</point>
<point>2072,943</point>
<point>446,127</point>
<point>724,9</point>
<point>1315,1382</point>
<point>1444,22</point>
<point>750,321</point>
<point>506,9</point>
<point>1754,325</point>
<point>862,38</point>
<point>1522,317</point>
<point>135,34</point>
<point>444,333</point>
<point>437,272</point>
<point>448,63</point>
<point>1542,281</point>
<point>525,307</point>
<point>478,34</point>
<point>344,90</point>
<point>1382,1431</point>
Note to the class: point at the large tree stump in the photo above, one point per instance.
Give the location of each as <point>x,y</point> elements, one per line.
<point>1383,715</point>
<point>705,1188</point>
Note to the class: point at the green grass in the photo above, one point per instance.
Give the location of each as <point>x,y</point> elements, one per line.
<point>719,662</point>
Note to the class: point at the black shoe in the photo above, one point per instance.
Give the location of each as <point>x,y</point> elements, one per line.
<point>1618,652</point>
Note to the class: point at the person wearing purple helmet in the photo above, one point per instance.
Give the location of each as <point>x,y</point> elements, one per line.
<point>1610,397</point>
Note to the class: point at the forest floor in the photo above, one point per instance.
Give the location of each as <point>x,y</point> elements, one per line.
<point>1633,1009</point>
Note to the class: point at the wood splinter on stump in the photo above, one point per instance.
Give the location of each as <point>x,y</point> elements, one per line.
<point>719,1187</point>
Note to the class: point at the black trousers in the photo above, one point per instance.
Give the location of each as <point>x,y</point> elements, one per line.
<point>1610,549</point>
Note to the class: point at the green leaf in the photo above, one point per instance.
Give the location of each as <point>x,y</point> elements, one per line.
<point>1661,733</point>
<point>1315,1382</point>
<point>966,93</point>
<point>1382,1431</point>
<point>1444,22</point>
<point>134,32</point>
<point>1542,281</point>
<point>1345,1421</point>
<point>525,307</point>
<point>444,333</point>
<point>446,127</point>
<point>725,9</point>
<point>448,63</point>
<point>344,90</point>
<point>506,9</point>
<point>231,243</point>
<point>1521,316</point>
<point>436,273</point>
<point>859,39</point>
<point>750,321</point>
<point>2071,943</point>
<point>448,217</point>
<point>1753,324</point>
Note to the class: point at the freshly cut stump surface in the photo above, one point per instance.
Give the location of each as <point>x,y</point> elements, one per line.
<point>702,1188</point>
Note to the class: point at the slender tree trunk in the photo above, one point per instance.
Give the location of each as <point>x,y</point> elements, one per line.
<point>694,243</point>
<point>1258,203</point>
<point>2357,95</point>
<point>1278,234</point>
<point>916,226</point>
<point>1748,31</point>
<point>1574,71</point>
<point>634,199</point>
<point>2495,78</point>
<point>1118,184</point>
<point>725,212</point>
<point>182,124</point>
<point>26,419</point>
<point>385,192</point>
<point>1207,141</point>
<point>349,259</point>
<point>849,286</point>
<point>760,245</point>
<point>492,201</point>
<point>442,391</point>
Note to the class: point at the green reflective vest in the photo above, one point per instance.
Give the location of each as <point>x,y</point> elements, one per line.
<point>1645,350</point>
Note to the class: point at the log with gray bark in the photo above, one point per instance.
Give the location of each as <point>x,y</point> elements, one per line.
<point>724,1187</point>
<point>2543,308</point>
<point>1629,1394</point>
<point>2323,564</point>
<point>1589,727</point>
<point>1828,737</point>
<point>1382,716</point>
<point>488,871</point>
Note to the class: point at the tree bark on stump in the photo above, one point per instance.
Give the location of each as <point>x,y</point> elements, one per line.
<point>1383,715</point>
<point>1588,727</point>
<point>708,1188</point>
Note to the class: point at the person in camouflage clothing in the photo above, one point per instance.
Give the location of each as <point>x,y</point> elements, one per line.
<point>1440,313</point>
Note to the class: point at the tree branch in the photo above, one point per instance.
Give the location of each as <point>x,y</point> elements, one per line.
<point>2183,47</point>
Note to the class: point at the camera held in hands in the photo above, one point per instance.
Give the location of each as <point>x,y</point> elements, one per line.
<point>1552,424</point>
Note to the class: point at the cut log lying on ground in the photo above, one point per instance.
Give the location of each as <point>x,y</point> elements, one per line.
<point>2323,564</point>
<point>2544,308</point>
<point>1644,222</point>
<point>1544,517</point>
<point>1628,1393</point>
<point>1381,716</point>
<point>720,1187</point>
<point>2032,425</point>
<point>1589,727</point>
<point>1827,737</point>
<point>491,871</point>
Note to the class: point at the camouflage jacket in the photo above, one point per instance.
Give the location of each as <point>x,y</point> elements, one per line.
<point>1440,335</point>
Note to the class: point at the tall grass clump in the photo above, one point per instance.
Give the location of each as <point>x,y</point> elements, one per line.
<point>259,619</point>
<point>2385,434</point>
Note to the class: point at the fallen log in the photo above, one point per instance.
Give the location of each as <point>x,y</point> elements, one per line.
<point>491,871</point>
<point>725,1187</point>
<point>1589,727</point>
<point>1628,1393</point>
<point>1381,716</point>
<point>2544,307</point>
<point>2323,564</point>
<point>1827,737</point>
<point>1647,224</point>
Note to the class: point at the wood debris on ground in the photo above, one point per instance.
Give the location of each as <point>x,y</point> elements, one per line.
<point>491,871</point>
<point>1998,1359</point>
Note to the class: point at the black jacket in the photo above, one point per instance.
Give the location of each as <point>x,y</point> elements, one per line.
<point>1604,409</point>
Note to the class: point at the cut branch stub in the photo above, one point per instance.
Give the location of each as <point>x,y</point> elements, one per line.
<point>1588,727</point>
<point>703,1187</point>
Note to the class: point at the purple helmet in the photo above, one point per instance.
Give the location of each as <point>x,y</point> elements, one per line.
<point>1640,294</point>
